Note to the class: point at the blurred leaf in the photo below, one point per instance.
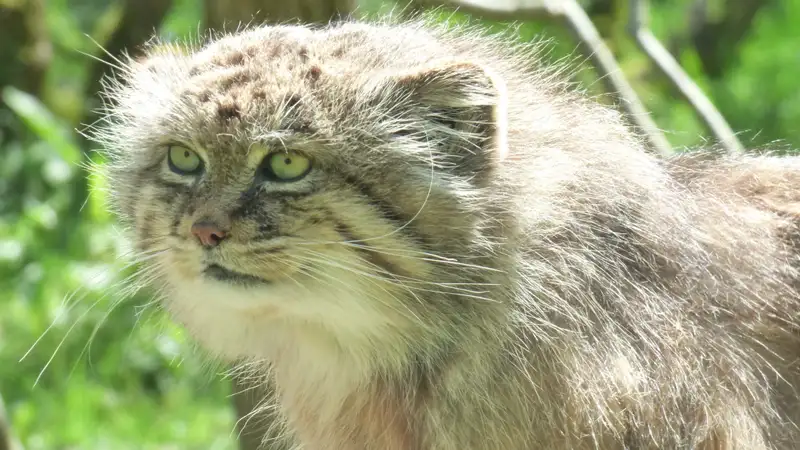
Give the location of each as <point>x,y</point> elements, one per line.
<point>42,122</point>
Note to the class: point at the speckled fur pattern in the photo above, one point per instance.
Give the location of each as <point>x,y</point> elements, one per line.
<point>480,258</point>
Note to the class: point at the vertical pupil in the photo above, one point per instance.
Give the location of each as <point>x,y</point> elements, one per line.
<point>186,153</point>
<point>287,161</point>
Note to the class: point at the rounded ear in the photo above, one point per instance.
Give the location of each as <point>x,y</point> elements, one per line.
<point>470,98</point>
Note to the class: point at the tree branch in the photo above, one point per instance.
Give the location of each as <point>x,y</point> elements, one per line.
<point>7,441</point>
<point>672,70</point>
<point>575,18</point>
<point>505,9</point>
<point>612,75</point>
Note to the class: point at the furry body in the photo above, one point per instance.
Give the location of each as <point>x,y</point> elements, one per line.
<point>479,259</point>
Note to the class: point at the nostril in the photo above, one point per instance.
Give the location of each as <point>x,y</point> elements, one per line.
<point>209,234</point>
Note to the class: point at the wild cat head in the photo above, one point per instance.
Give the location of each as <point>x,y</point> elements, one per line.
<point>320,171</point>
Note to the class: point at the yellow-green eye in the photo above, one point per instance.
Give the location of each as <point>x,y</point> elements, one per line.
<point>287,166</point>
<point>183,161</point>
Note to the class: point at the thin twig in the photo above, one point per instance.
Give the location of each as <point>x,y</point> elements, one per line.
<point>591,43</point>
<point>649,44</point>
<point>505,9</point>
<point>616,83</point>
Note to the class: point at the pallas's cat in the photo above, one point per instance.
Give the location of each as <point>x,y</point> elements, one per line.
<point>425,239</point>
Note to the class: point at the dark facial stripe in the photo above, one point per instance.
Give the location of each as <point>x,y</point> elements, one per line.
<point>180,187</point>
<point>366,252</point>
<point>220,273</point>
<point>250,206</point>
<point>168,192</point>
<point>145,232</point>
<point>267,228</point>
<point>389,211</point>
<point>179,212</point>
<point>129,207</point>
<point>139,178</point>
<point>152,168</point>
<point>186,205</point>
<point>249,200</point>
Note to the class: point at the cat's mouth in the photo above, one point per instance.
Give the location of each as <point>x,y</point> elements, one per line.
<point>219,273</point>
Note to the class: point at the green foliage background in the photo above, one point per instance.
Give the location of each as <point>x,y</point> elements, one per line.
<point>116,374</point>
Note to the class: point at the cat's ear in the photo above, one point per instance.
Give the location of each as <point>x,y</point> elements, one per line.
<point>469,98</point>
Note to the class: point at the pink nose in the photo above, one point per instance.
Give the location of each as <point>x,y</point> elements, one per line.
<point>209,233</point>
